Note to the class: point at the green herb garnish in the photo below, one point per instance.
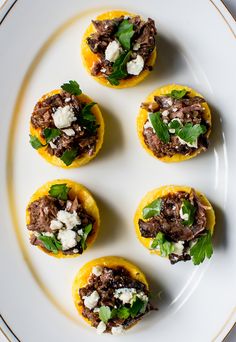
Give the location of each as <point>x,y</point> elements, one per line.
<point>201,249</point>
<point>178,94</point>
<point>51,133</point>
<point>35,143</point>
<point>190,133</point>
<point>86,112</point>
<point>119,68</point>
<point>69,156</point>
<point>123,312</point>
<point>189,209</point>
<point>50,243</point>
<point>174,124</point>
<point>152,209</point>
<point>104,313</point>
<point>166,247</point>
<point>59,191</point>
<point>125,33</point>
<point>160,127</point>
<point>86,232</point>
<point>137,307</point>
<point>72,87</point>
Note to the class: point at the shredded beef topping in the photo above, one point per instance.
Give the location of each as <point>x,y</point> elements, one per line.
<point>45,210</point>
<point>170,223</point>
<point>84,133</point>
<point>106,284</point>
<point>143,42</point>
<point>187,110</point>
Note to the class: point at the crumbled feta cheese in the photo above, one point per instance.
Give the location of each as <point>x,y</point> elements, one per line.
<point>36,234</point>
<point>69,131</point>
<point>48,234</point>
<point>165,121</point>
<point>142,296</point>
<point>101,328</point>
<point>56,225</point>
<point>70,220</point>
<point>165,112</point>
<point>103,70</point>
<point>80,232</point>
<point>113,51</point>
<point>147,124</point>
<point>67,238</point>
<point>68,99</point>
<point>194,144</point>
<point>135,66</point>
<point>97,270</point>
<point>184,217</point>
<point>63,117</point>
<point>75,250</point>
<point>136,46</point>
<point>91,301</point>
<point>96,309</point>
<point>45,210</point>
<point>174,109</point>
<point>52,145</point>
<point>117,330</point>
<point>125,294</point>
<point>179,247</point>
<point>126,17</point>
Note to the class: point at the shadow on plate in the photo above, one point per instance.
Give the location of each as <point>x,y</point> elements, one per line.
<point>220,232</point>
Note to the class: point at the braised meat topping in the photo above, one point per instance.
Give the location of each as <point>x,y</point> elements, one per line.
<point>181,118</point>
<point>125,298</point>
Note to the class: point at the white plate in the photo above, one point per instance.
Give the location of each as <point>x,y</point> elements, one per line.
<point>40,49</point>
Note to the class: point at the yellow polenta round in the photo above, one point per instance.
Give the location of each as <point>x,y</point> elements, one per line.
<point>82,276</point>
<point>52,159</point>
<point>84,197</point>
<point>143,116</point>
<point>89,58</point>
<point>161,192</point>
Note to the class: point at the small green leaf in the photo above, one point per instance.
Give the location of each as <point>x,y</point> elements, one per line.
<point>123,312</point>
<point>202,248</point>
<point>51,133</point>
<point>189,209</point>
<point>69,156</point>
<point>174,124</point>
<point>152,209</point>
<point>59,191</point>
<point>178,94</point>
<point>35,143</point>
<point>190,133</point>
<point>104,313</point>
<point>166,247</point>
<point>119,68</point>
<point>72,87</point>
<point>86,232</point>
<point>136,307</point>
<point>50,243</point>
<point>86,112</point>
<point>125,33</point>
<point>160,127</point>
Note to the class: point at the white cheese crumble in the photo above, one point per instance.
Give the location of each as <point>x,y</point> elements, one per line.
<point>184,217</point>
<point>101,328</point>
<point>136,46</point>
<point>56,225</point>
<point>103,70</point>
<point>141,295</point>
<point>96,309</point>
<point>63,117</point>
<point>97,270</point>
<point>113,51</point>
<point>67,238</point>
<point>80,232</point>
<point>75,250</point>
<point>70,220</point>
<point>165,112</point>
<point>194,144</point>
<point>91,301</point>
<point>117,330</point>
<point>125,294</point>
<point>52,145</point>
<point>179,247</point>
<point>69,131</point>
<point>48,234</point>
<point>135,66</point>
<point>148,124</point>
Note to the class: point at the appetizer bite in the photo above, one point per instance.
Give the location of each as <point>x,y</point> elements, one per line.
<point>174,123</point>
<point>62,218</point>
<point>66,127</point>
<point>119,48</point>
<point>111,294</point>
<point>176,222</point>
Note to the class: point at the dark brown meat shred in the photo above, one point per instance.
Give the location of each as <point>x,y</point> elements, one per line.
<point>84,140</point>
<point>170,223</point>
<point>105,284</point>
<point>144,35</point>
<point>187,110</point>
<point>45,209</point>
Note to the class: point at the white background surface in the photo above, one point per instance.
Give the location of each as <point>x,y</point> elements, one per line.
<point>233,4</point>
